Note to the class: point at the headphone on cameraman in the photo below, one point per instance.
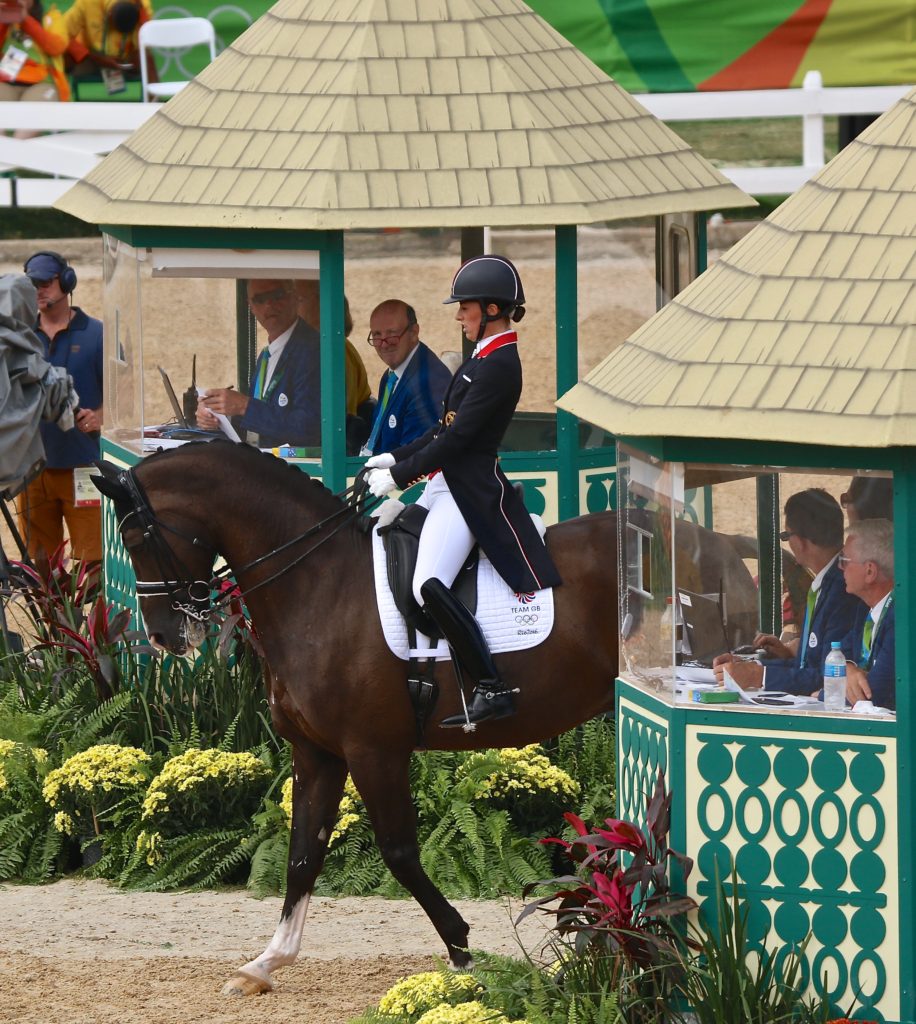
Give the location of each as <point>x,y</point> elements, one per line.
<point>66,274</point>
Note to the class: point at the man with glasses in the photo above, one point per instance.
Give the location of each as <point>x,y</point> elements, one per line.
<point>867,564</point>
<point>283,405</point>
<point>814,534</point>
<point>412,388</point>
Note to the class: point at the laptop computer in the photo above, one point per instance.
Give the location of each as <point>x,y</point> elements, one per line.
<point>704,626</point>
<point>173,399</point>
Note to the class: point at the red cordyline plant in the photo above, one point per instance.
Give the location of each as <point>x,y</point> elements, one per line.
<point>56,597</point>
<point>621,898</point>
<point>58,602</point>
<point>95,644</point>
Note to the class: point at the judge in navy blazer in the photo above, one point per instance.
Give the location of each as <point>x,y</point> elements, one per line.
<point>868,566</point>
<point>284,403</point>
<point>834,615</point>
<point>814,533</point>
<point>415,393</point>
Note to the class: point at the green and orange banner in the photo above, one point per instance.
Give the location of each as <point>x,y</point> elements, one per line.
<point>687,45</point>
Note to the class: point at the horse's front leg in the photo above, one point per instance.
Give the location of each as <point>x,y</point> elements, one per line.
<point>318,780</point>
<point>385,789</point>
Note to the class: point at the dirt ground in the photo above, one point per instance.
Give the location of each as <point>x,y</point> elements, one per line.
<point>81,952</point>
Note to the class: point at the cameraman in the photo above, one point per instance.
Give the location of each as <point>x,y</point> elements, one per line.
<point>61,492</point>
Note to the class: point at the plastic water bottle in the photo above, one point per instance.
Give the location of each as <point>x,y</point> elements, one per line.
<point>835,679</point>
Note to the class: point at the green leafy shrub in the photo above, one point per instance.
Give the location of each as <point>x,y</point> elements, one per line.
<point>589,754</point>
<point>89,784</point>
<point>732,978</point>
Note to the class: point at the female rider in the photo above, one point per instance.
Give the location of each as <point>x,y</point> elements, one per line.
<point>468,496</point>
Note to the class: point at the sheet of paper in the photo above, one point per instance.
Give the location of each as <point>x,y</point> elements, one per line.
<point>695,674</point>
<point>225,424</point>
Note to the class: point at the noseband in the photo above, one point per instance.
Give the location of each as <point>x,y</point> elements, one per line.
<point>176,581</point>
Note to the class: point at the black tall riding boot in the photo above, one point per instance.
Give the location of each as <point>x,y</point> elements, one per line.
<point>491,698</point>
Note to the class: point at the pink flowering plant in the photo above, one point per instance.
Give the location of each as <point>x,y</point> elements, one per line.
<point>620,901</point>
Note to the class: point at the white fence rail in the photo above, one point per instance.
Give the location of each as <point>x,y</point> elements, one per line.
<point>812,103</point>
<point>82,133</point>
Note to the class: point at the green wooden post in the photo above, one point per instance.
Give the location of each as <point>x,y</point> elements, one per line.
<point>244,336</point>
<point>769,554</point>
<point>333,377</point>
<point>904,598</point>
<point>567,350</point>
<point>700,231</point>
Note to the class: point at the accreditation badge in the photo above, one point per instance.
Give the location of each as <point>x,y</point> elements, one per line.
<point>85,493</point>
<point>12,63</point>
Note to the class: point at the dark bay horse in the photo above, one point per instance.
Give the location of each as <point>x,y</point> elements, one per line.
<point>335,691</point>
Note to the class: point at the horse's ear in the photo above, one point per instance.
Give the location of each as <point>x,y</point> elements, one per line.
<point>108,483</point>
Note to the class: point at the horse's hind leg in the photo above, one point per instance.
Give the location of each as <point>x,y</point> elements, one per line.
<point>318,780</point>
<point>385,789</point>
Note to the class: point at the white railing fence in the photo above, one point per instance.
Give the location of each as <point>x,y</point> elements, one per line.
<point>812,103</point>
<point>82,133</point>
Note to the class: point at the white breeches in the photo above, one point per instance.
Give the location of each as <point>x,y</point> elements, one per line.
<point>445,541</point>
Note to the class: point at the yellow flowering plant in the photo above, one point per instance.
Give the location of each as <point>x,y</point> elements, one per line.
<point>204,789</point>
<point>414,996</point>
<point>521,780</point>
<point>88,785</point>
<point>473,1012</point>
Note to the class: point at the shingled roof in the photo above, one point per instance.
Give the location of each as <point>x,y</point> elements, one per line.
<point>801,332</point>
<point>441,113</point>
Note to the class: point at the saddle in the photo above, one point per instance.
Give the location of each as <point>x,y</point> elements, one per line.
<point>402,541</point>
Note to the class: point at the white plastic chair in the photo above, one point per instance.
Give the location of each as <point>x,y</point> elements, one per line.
<point>175,36</point>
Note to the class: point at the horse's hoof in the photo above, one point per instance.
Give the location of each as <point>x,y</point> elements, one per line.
<point>461,960</point>
<point>247,985</point>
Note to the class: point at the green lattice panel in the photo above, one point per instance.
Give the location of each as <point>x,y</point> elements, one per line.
<point>642,749</point>
<point>810,822</point>
<point>120,581</point>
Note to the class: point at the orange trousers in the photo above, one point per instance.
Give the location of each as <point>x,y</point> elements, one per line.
<point>43,508</point>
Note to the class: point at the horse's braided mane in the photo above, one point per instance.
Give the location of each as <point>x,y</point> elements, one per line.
<point>286,472</point>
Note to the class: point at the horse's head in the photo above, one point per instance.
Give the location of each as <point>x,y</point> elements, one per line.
<point>172,561</point>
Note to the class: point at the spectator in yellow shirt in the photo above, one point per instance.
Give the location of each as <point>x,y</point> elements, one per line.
<point>104,35</point>
<point>360,403</point>
<point>32,45</point>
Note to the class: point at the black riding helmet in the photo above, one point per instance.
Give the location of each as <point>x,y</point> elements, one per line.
<point>489,279</point>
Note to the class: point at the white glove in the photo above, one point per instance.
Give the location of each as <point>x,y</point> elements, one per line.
<point>384,461</point>
<point>380,482</point>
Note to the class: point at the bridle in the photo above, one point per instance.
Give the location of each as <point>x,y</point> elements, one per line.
<point>192,597</point>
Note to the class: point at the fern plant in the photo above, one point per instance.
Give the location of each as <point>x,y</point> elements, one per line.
<point>30,846</point>
<point>589,754</point>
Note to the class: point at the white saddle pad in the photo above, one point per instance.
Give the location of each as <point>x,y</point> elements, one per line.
<point>510,621</point>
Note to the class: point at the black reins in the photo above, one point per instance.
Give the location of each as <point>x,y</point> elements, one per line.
<point>175,576</point>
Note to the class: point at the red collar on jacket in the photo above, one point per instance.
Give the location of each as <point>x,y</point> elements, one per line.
<point>506,338</point>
